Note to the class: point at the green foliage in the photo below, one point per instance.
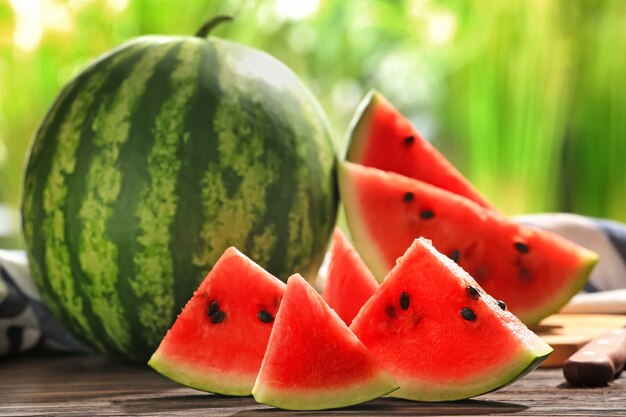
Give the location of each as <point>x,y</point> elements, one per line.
<point>539,107</point>
<point>525,96</point>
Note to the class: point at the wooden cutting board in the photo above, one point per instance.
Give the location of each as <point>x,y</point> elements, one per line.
<point>567,333</point>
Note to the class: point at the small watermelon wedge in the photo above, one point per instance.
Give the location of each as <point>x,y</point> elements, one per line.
<point>380,137</point>
<point>313,361</point>
<point>349,284</point>
<point>534,271</point>
<point>218,341</point>
<point>440,334</point>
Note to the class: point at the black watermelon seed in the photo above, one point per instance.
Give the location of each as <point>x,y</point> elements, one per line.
<point>473,291</point>
<point>265,316</point>
<point>427,214</point>
<point>404,300</point>
<point>409,140</point>
<point>468,314</point>
<point>502,304</point>
<point>214,307</point>
<point>218,317</point>
<point>455,255</point>
<point>521,247</point>
<point>391,311</point>
<point>408,197</point>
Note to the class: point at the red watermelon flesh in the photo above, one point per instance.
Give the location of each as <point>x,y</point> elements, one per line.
<point>380,137</point>
<point>218,341</point>
<point>534,271</point>
<point>313,360</point>
<point>349,284</point>
<point>440,335</point>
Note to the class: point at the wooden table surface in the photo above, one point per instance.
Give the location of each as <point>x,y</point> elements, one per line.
<point>34,385</point>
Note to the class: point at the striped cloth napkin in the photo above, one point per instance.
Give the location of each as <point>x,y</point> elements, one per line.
<point>26,323</point>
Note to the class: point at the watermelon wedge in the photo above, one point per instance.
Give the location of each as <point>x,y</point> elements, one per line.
<point>349,284</point>
<point>534,271</point>
<point>313,360</point>
<point>380,137</point>
<point>440,335</point>
<point>218,341</point>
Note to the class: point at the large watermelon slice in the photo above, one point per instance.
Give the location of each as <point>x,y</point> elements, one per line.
<point>440,335</point>
<point>534,271</point>
<point>218,341</point>
<point>349,283</point>
<point>380,137</point>
<point>313,360</point>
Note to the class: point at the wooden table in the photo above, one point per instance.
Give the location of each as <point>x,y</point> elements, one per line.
<point>35,385</point>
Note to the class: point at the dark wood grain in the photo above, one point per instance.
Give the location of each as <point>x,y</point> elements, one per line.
<point>38,385</point>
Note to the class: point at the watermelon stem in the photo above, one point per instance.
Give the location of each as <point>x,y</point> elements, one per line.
<point>204,31</point>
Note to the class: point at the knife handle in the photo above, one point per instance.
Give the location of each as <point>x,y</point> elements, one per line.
<point>599,361</point>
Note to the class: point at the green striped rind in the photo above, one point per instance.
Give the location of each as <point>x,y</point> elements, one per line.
<point>154,278</point>
<point>98,254</point>
<point>32,184</point>
<point>57,254</point>
<point>226,203</point>
<point>141,176</point>
<point>218,382</point>
<point>288,123</point>
<point>44,222</point>
<point>321,399</point>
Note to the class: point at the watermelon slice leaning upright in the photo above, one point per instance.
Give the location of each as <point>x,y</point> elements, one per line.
<point>218,341</point>
<point>313,361</point>
<point>349,284</point>
<point>534,271</point>
<point>380,137</point>
<point>440,335</point>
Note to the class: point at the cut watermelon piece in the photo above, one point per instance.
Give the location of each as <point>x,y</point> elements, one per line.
<point>313,360</point>
<point>440,335</point>
<point>534,271</point>
<point>218,341</point>
<point>380,137</point>
<point>349,284</point>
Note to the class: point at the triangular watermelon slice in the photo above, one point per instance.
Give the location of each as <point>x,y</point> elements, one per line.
<point>349,284</point>
<point>381,137</point>
<point>534,271</point>
<point>313,360</point>
<point>218,341</point>
<point>440,335</point>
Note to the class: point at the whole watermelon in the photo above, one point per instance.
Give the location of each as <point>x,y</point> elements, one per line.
<point>151,162</point>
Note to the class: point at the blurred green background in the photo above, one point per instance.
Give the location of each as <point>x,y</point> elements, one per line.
<point>526,97</point>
